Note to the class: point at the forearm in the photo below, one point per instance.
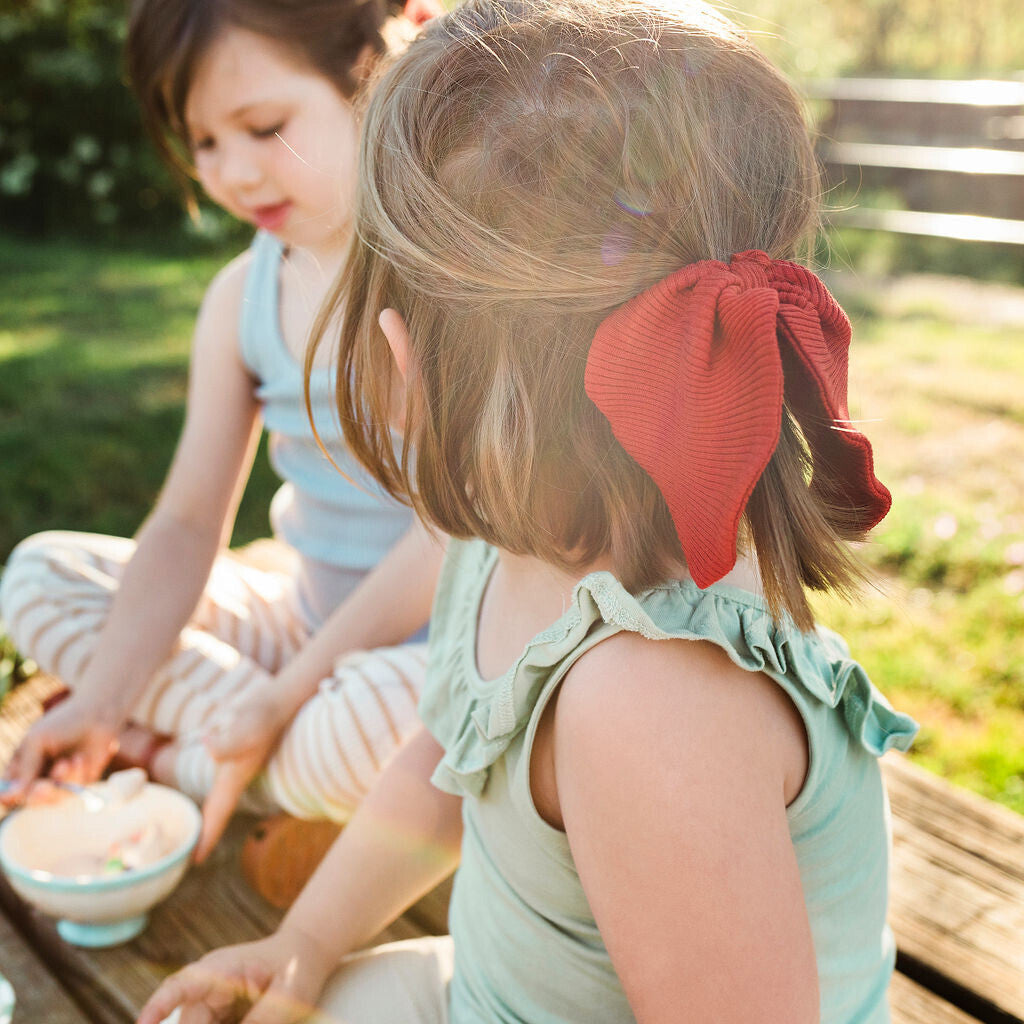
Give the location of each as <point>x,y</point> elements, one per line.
<point>390,604</point>
<point>159,591</point>
<point>402,841</point>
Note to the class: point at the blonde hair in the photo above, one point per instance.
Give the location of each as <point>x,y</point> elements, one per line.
<point>526,168</point>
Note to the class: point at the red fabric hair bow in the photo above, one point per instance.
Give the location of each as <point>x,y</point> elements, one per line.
<point>691,374</point>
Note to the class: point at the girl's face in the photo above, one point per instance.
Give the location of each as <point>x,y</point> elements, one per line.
<point>273,140</point>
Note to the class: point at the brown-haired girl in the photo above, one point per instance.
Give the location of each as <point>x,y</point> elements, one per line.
<point>576,229</point>
<point>200,668</point>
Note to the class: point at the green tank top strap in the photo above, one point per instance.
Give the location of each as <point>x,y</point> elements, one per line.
<point>475,729</point>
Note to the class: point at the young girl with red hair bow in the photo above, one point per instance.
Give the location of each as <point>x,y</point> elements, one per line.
<point>577,230</point>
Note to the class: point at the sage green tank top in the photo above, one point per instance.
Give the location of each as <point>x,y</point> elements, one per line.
<point>526,945</point>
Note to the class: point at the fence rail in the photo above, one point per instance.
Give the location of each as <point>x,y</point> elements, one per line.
<point>953,151</point>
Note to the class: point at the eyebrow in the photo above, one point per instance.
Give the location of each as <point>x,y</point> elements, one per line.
<point>241,111</point>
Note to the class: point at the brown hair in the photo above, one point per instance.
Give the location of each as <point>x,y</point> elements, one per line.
<point>167,38</point>
<point>527,167</point>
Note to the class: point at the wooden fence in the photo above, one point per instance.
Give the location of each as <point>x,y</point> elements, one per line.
<point>952,153</point>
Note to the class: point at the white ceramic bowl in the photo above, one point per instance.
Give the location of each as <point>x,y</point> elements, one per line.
<point>97,910</point>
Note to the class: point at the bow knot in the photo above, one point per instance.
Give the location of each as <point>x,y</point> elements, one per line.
<point>692,374</point>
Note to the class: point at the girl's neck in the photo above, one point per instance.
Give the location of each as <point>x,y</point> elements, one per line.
<point>321,262</point>
<point>523,597</point>
<point>305,281</point>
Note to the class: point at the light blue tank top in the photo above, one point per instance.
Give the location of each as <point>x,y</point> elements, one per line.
<point>340,529</point>
<point>527,948</point>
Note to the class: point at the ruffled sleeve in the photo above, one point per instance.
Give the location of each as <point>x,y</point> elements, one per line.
<point>476,720</point>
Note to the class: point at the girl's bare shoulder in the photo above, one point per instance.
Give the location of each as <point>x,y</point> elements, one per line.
<point>220,312</point>
<point>227,288</point>
<point>687,696</point>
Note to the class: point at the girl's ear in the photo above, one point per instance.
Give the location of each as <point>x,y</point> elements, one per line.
<point>421,11</point>
<point>393,326</point>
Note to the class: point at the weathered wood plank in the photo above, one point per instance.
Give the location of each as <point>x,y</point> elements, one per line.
<point>212,907</point>
<point>958,886</point>
<point>913,1004</point>
<point>39,996</point>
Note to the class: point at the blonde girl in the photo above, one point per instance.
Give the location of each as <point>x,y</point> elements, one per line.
<point>577,224</point>
<point>207,671</point>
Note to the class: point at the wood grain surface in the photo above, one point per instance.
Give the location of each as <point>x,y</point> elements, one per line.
<point>957,907</point>
<point>957,894</point>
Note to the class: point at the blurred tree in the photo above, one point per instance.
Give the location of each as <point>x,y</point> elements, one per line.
<point>910,38</point>
<point>73,155</point>
<point>72,152</point>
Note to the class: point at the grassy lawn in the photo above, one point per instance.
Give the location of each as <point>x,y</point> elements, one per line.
<point>93,352</point>
<point>94,349</point>
<point>944,403</point>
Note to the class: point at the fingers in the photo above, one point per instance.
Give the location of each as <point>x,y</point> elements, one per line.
<point>228,785</point>
<point>204,992</point>
<point>226,740</point>
<point>26,765</point>
<point>73,769</point>
<point>192,1015</point>
<point>279,1006</point>
<point>97,750</point>
<point>65,741</point>
<point>189,986</point>
<point>216,989</point>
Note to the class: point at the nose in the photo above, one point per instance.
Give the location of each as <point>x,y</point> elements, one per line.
<point>239,167</point>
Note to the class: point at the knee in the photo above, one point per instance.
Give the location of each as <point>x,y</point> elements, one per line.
<point>28,570</point>
<point>22,564</point>
<point>38,548</point>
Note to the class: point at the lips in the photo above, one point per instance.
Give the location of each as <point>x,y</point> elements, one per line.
<point>270,217</point>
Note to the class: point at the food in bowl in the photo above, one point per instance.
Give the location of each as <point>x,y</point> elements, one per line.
<point>142,847</point>
<point>100,866</point>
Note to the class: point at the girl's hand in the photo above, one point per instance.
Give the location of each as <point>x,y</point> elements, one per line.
<point>276,980</point>
<point>241,739</point>
<point>72,742</point>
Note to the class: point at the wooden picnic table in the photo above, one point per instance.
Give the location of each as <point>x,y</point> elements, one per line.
<point>957,909</point>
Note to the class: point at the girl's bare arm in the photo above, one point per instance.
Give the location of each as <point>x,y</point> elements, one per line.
<point>177,543</point>
<point>673,769</point>
<point>401,842</point>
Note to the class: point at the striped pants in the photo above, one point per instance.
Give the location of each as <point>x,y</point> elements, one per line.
<point>54,599</point>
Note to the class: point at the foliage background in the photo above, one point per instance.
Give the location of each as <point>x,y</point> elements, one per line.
<point>72,155</point>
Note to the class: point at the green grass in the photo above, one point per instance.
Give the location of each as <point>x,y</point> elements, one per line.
<point>94,347</point>
<point>944,405</point>
<point>93,352</point>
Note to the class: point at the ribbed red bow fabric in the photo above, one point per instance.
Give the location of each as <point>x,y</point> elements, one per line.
<point>691,374</point>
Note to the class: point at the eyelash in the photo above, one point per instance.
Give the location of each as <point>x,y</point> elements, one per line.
<point>257,133</point>
<point>268,133</point>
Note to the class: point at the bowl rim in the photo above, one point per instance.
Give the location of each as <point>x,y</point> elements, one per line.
<point>43,880</point>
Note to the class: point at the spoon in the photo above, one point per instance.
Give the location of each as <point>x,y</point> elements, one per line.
<point>120,786</point>
<point>93,801</point>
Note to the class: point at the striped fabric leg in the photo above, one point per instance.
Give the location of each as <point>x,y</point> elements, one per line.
<point>56,594</point>
<point>338,743</point>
